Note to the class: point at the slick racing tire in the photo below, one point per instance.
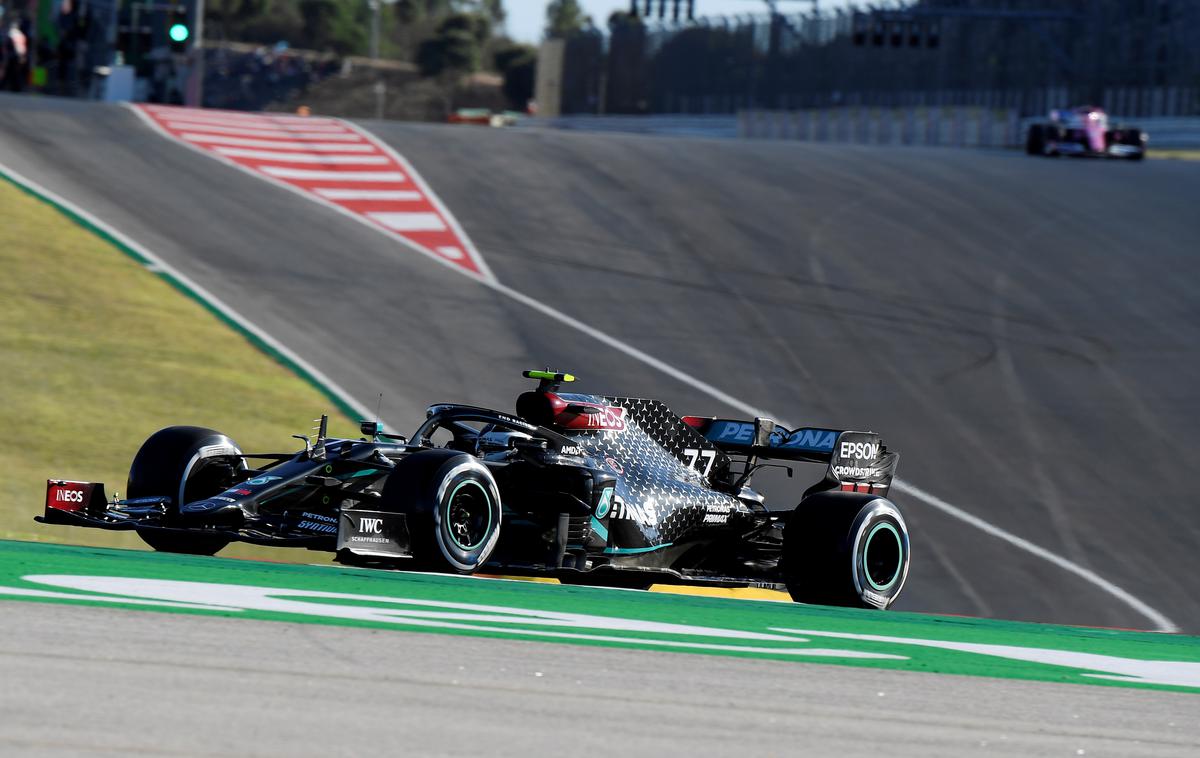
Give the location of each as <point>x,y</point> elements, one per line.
<point>1133,138</point>
<point>184,463</point>
<point>452,507</point>
<point>848,549</point>
<point>1035,141</point>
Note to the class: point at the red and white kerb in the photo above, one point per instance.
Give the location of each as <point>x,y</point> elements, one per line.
<point>332,162</point>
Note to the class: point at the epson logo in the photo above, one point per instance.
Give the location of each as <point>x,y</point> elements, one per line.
<point>68,496</point>
<point>859,450</point>
<point>370,525</point>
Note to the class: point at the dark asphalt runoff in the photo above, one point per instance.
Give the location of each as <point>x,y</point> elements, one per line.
<point>1025,332</point>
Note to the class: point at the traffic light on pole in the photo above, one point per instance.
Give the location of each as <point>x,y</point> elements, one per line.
<point>178,30</point>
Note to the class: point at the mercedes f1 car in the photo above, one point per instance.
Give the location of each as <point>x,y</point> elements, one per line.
<point>585,488</point>
<point>1084,131</point>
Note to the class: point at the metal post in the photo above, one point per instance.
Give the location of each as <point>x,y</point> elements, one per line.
<point>133,36</point>
<point>194,98</point>
<point>380,88</point>
<point>114,20</point>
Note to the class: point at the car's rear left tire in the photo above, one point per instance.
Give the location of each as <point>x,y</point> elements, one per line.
<point>184,463</point>
<point>847,549</point>
<point>452,508</point>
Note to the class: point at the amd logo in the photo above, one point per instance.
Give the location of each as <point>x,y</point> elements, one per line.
<point>68,496</point>
<point>370,525</point>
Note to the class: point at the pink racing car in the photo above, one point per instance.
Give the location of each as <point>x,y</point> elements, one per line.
<point>1084,131</point>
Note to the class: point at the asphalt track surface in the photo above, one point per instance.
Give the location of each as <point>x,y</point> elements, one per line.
<point>124,683</point>
<point>1023,331</point>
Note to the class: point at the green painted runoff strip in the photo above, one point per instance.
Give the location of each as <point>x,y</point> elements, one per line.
<point>567,614</point>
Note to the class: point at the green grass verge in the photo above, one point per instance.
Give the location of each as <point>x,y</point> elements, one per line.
<point>96,353</point>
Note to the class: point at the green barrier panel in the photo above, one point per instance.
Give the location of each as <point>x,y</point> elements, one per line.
<point>595,616</point>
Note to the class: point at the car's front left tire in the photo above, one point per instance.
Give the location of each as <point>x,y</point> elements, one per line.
<point>452,507</point>
<point>184,463</point>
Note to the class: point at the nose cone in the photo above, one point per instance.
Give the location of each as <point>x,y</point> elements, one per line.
<point>211,512</point>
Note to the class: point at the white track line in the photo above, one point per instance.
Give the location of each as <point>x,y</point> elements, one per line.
<point>270,144</point>
<point>236,124</point>
<point>337,193</point>
<point>189,126</point>
<point>1160,621</point>
<point>320,158</point>
<point>409,222</point>
<point>334,176</point>
<point>161,267</point>
<point>484,270</point>
<point>283,120</point>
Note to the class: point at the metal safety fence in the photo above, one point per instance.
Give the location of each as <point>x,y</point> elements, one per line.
<point>1138,58</point>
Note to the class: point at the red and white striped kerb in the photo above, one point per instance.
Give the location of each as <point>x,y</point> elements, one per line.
<point>332,162</point>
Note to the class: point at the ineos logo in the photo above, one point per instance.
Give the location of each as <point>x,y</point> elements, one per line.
<point>68,496</point>
<point>370,525</point>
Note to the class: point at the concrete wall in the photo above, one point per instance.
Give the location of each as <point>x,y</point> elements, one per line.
<point>944,127</point>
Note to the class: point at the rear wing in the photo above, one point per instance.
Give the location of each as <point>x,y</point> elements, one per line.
<point>857,461</point>
<point>764,438</point>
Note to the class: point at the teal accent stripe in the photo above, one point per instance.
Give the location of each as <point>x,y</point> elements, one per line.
<point>600,529</point>
<point>634,550</point>
<point>340,402</point>
<point>364,472</point>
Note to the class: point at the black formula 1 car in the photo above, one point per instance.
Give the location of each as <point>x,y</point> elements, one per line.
<point>585,488</point>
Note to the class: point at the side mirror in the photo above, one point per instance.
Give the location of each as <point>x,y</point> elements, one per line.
<point>370,429</point>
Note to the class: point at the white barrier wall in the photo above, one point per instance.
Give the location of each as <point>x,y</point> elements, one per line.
<point>942,127</point>
<point>963,127</point>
